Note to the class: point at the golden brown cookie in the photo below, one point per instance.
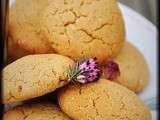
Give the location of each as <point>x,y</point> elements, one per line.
<point>34,75</point>
<point>102,100</point>
<point>25,25</point>
<point>43,111</point>
<point>134,72</point>
<point>14,51</point>
<point>84,28</point>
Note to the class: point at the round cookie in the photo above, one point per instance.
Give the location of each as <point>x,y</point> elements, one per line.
<point>25,25</point>
<point>84,28</point>
<point>43,111</point>
<point>134,72</point>
<point>34,75</point>
<point>102,100</point>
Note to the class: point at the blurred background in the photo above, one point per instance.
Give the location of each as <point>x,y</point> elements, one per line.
<point>147,8</point>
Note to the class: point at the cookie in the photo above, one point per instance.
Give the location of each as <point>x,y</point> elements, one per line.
<point>84,28</point>
<point>25,25</point>
<point>43,111</point>
<point>14,51</point>
<point>102,100</point>
<point>134,72</point>
<point>34,75</point>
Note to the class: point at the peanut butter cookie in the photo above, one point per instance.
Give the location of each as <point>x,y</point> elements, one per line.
<point>25,25</point>
<point>84,28</point>
<point>134,72</point>
<point>102,100</point>
<point>34,75</point>
<point>43,111</point>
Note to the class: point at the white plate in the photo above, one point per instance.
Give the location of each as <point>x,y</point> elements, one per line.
<point>143,34</point>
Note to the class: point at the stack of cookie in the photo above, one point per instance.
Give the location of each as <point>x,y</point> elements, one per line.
<point>46,38</point>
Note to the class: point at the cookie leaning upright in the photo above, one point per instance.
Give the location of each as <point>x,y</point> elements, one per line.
<point>84,28</point>
<point>134,72</point>
<point>102,100</point>
<point>25,25</point>
<point>34,75</point>
<point>41,111</point>
<point>14,51</point>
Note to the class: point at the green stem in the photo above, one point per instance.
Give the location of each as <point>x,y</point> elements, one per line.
<point>76,74</point>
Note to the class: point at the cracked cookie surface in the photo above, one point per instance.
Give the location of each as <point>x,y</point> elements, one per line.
<point>43,111</point>
<point>25,25</point>
<point>34,75</point>
<point>84,28</point>
<point>102,100</point>
<point>134,72</point>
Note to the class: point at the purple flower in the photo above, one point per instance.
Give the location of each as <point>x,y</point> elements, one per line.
<point>87,71</point>
<point>111,70</point>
